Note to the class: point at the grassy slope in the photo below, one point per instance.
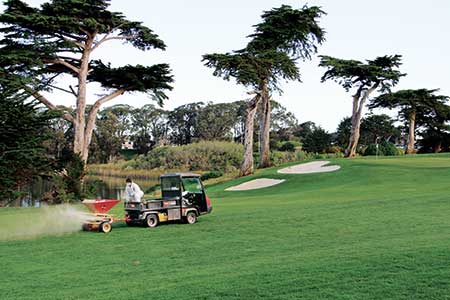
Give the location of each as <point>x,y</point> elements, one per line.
<point>376,229</point>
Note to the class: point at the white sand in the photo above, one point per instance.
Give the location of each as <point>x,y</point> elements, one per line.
<point>311,167</point>
<point>255,184</point>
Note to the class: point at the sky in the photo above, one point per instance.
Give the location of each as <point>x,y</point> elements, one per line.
<point>355,29</point>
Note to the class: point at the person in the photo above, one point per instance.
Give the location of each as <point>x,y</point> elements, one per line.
<point>133,192</point>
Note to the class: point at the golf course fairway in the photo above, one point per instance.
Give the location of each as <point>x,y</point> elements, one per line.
<point>378,228</point>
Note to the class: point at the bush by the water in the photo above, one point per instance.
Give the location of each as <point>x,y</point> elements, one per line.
<point>214,155</point>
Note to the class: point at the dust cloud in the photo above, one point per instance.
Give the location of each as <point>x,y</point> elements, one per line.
<point>50,220</point>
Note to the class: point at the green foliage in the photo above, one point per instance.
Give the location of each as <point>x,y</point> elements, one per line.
<point>73,173</point>
<point>23,131</point>
<point>206,155</point>
<point>183,122</point>
<point>376,127</point>
<point>211,175</point>
<point>128,154</point>
<point>317,141</point>
<point>215,121</point>
<point>384,149</point>
<point>153,80</point>
<point>428,109</point>
<point>278,157</point>
<point>389,149</point>
<point>292,31</point>
<point>372,149</point>
<point>288,146</point>
<point>343,132</point>
<point>380,72</point>
<point>149,127</point>
<point>284,35</point>
<point>434,141</point>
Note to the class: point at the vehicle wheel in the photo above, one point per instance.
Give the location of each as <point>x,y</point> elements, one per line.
<point>152,220</point>
<point>105,227</point>
<point>191,217</point>
<point>85,227</point>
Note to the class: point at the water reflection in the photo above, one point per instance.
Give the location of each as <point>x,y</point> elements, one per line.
<point>100,187</point>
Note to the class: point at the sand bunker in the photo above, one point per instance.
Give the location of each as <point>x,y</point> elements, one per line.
<point>255,184</point>
<point>311,167</point>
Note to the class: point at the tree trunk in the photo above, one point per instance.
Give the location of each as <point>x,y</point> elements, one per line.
<point>354,132</point>
<point>264,121</point>
<point>359,100</point>
<point>247,163</point>
<point>79,145</point>
<point>411,135</point>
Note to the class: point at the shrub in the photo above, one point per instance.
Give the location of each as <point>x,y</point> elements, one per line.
<point>205,155</point>
<point>278,157</point>
<point>211,174</point>
<point>384,148</point>
<point>372,150</point>
<point>289,146</point>
<point>389,149</point>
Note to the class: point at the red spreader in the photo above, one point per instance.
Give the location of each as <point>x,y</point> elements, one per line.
<point>98,220</point>
<point>100,206</point>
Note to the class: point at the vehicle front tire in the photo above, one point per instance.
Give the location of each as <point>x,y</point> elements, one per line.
<point>191,217</point>
<point>152,220</point>
<point>105,227</point>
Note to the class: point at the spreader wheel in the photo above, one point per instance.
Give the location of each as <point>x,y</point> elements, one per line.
<point>191,217</point>
<point>105,227</point>
<point>152,220</point>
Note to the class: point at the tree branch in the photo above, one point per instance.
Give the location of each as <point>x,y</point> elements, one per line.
<point>93,113</point>
<point>106,38</point>
<point>64,90</point>
<point>39,97</point>
<point>65,63</point>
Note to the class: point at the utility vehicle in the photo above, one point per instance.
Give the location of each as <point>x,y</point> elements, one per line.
<point>183,198</point>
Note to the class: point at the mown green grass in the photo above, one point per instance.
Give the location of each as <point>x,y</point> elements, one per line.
<point>376,229</point>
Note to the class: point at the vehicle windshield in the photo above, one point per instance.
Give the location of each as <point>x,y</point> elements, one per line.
<point>192,185</point>
<point>170,184</point>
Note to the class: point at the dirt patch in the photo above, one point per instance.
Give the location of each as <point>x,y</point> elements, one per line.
<point>308,168</point>
<point>255,184</point>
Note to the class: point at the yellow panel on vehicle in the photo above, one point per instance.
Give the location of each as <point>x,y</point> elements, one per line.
<point>162,217</point>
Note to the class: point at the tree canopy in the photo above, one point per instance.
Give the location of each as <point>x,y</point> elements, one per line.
<point>24,127</point>
<point>39,45</point>
<point>284,36</point>
<point>379,74</point>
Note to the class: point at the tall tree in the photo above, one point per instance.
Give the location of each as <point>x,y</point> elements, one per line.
<point>40,45</point>
<point>149,127</point>
<point>317,141</point>
<point>24,128</point>
<point>215,121</point>
<point>415,107</point>
<point>109,133</point>
<point>376,128</point>
<point>183,122</point>
<point>285,36</point>
<point>343,131</point>
<point>379,74</point>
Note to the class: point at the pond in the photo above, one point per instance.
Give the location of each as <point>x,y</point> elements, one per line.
<point>102,187</point>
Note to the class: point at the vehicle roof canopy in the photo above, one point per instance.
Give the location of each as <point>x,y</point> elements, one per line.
<point>181,175</point>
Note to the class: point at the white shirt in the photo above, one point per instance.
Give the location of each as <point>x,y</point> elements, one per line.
<point>133,193</point>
